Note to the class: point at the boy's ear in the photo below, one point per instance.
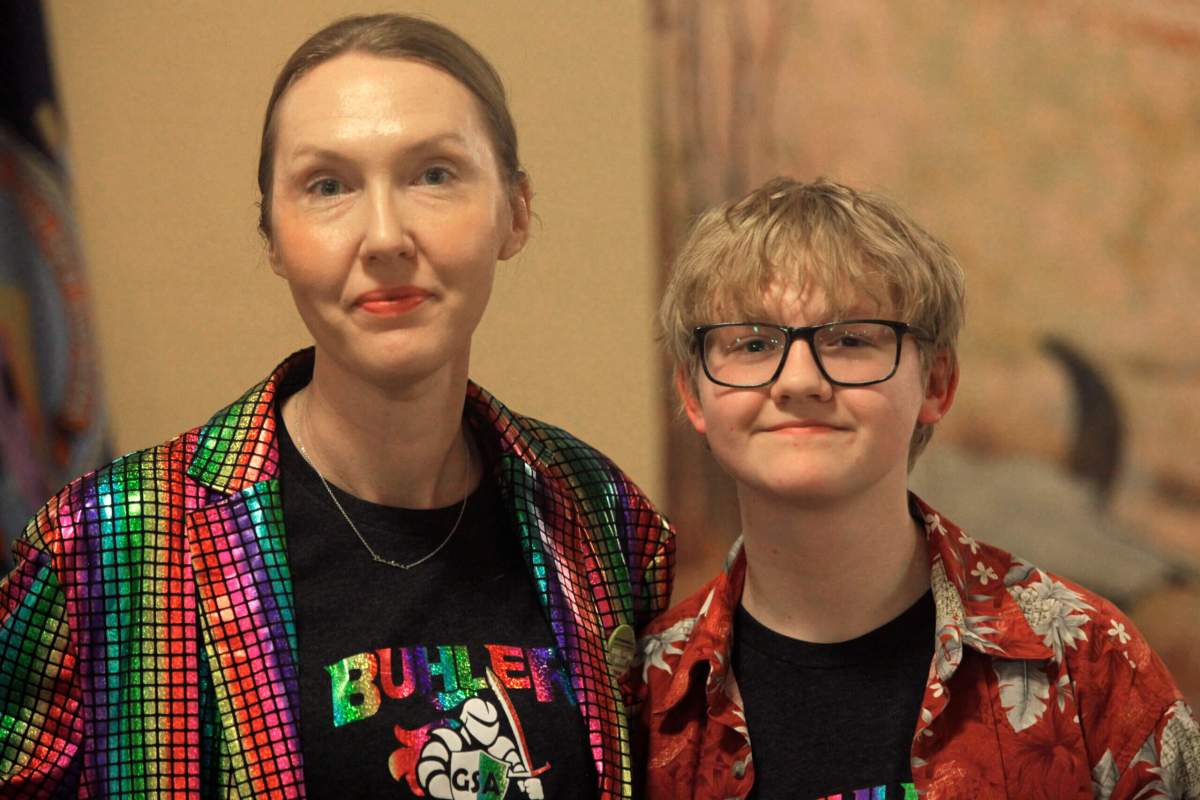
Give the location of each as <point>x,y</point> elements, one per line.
<point>691,404</point>
<point>940,387</point>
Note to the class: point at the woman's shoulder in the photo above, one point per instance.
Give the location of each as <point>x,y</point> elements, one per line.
<point>150,488</point>
<point>115,493</point>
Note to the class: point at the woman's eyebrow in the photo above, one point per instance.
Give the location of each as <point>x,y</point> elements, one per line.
<point>417,146</point>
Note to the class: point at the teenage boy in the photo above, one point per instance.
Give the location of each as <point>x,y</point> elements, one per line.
<point>867,646</point>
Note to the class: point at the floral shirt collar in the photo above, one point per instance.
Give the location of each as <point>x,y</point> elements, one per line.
<point>973,609</point>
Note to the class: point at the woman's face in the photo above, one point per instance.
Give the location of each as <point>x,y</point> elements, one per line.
<point>388,214</point>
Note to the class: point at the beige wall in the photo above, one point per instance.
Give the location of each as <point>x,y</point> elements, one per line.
<point>164,100</point>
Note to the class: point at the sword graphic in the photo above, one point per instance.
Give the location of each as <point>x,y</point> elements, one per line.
<point>515,723</point>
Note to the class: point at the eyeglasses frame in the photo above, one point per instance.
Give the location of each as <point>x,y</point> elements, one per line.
<point>808,333</point>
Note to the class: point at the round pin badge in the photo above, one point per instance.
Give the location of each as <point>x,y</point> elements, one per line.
<point>621,644</point>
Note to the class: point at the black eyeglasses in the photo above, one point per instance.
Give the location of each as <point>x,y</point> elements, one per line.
<point>853,352</point>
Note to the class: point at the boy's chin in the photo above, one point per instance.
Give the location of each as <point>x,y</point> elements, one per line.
<point>802,491</point>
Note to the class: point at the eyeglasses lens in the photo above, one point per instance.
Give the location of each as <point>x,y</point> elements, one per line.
<point>850,353</point>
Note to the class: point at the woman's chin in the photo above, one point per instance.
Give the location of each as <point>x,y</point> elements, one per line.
<point>392,362</point>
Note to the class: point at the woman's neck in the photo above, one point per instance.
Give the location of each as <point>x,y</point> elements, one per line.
<point>401,446</point>
<point>830,573</point>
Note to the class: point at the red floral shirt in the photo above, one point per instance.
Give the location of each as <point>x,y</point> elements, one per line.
<point>1038,689</point>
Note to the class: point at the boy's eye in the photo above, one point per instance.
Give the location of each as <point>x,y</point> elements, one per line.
<point>855,337</point>
<point>753,344</point>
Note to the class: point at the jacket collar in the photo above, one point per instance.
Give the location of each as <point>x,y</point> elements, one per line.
<point>238,447</point>
<point>984,617</point>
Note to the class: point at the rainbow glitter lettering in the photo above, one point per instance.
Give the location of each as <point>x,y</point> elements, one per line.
<point>360,683</point>
<point>903,791</point>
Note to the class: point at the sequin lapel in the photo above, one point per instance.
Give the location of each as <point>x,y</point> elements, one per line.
<point>245,602</point>
<point>247,617</point>
<point>567,533</point>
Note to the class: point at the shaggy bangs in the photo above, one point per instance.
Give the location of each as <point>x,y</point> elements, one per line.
<point>857,248</point>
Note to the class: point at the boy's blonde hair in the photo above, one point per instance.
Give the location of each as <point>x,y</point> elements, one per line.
<point>852,245</point>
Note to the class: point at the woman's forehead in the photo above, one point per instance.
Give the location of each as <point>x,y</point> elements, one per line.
<point>357,93</point>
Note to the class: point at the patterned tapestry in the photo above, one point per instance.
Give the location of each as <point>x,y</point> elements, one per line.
<point>1056,148</point>
<point>51,420</point>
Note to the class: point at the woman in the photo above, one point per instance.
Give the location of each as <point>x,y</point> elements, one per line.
<point>366,576</point>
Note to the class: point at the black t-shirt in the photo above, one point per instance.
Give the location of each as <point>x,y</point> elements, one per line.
<point>836,718</point>
<point>442,680</point>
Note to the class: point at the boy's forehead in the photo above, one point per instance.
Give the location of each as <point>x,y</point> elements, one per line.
<point>807,303</point>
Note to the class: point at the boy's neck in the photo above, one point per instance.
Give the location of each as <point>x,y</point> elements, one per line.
<point>831,572</point>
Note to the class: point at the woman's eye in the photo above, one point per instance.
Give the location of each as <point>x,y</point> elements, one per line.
<point>435,176</point>
<point>326,187</point>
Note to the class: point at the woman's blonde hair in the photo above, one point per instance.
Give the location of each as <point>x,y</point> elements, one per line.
<point>852,245</point>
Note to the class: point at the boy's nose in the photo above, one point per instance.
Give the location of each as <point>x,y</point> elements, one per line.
<point>801,376</point>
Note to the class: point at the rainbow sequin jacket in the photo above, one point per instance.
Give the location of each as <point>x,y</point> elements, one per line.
<point>1038,689</point>
<point>147,635</point>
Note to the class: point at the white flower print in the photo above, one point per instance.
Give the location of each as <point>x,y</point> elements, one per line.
<point>656,647</point>
<point>984,573</point>
<point>975,630</point>
<point>1181,752</point>
<point>1177,763</point>
<point>963,538</point>
<point>1018,572</point>
<point>933,524</point>
<point>743,729</point>
<point>1104,776</point>
<point>1024,690</point>
<point>1054,611</point>
<point>1118,630</point>
<point>1064,691</point>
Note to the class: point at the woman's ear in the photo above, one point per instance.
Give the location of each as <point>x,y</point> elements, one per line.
<point>275,261</point>
<point>941,385</point>
<point>521,199</point>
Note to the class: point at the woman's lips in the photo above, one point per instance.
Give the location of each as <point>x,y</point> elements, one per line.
<point>392,302</point>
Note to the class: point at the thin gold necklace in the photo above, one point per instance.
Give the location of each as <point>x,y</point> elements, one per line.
<point>378,559</point>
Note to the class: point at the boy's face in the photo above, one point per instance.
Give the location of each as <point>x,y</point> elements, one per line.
<point>804,440</point>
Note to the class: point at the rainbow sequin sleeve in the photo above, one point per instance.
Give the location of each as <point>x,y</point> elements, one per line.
<point>40,725</point>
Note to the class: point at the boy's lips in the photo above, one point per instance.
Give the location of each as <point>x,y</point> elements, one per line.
<point>392,301</point>
<point>801,427</point>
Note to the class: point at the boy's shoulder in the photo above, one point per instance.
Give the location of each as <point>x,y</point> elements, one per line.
<point>698,628</point>
<point>1010,608</point>
<point>1053,644</point>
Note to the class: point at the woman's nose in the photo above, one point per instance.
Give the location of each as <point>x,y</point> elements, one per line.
<point>387,235</point>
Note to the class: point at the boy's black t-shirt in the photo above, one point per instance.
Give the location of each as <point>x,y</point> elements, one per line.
<point>443,680</point>
<point>836,718</point>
